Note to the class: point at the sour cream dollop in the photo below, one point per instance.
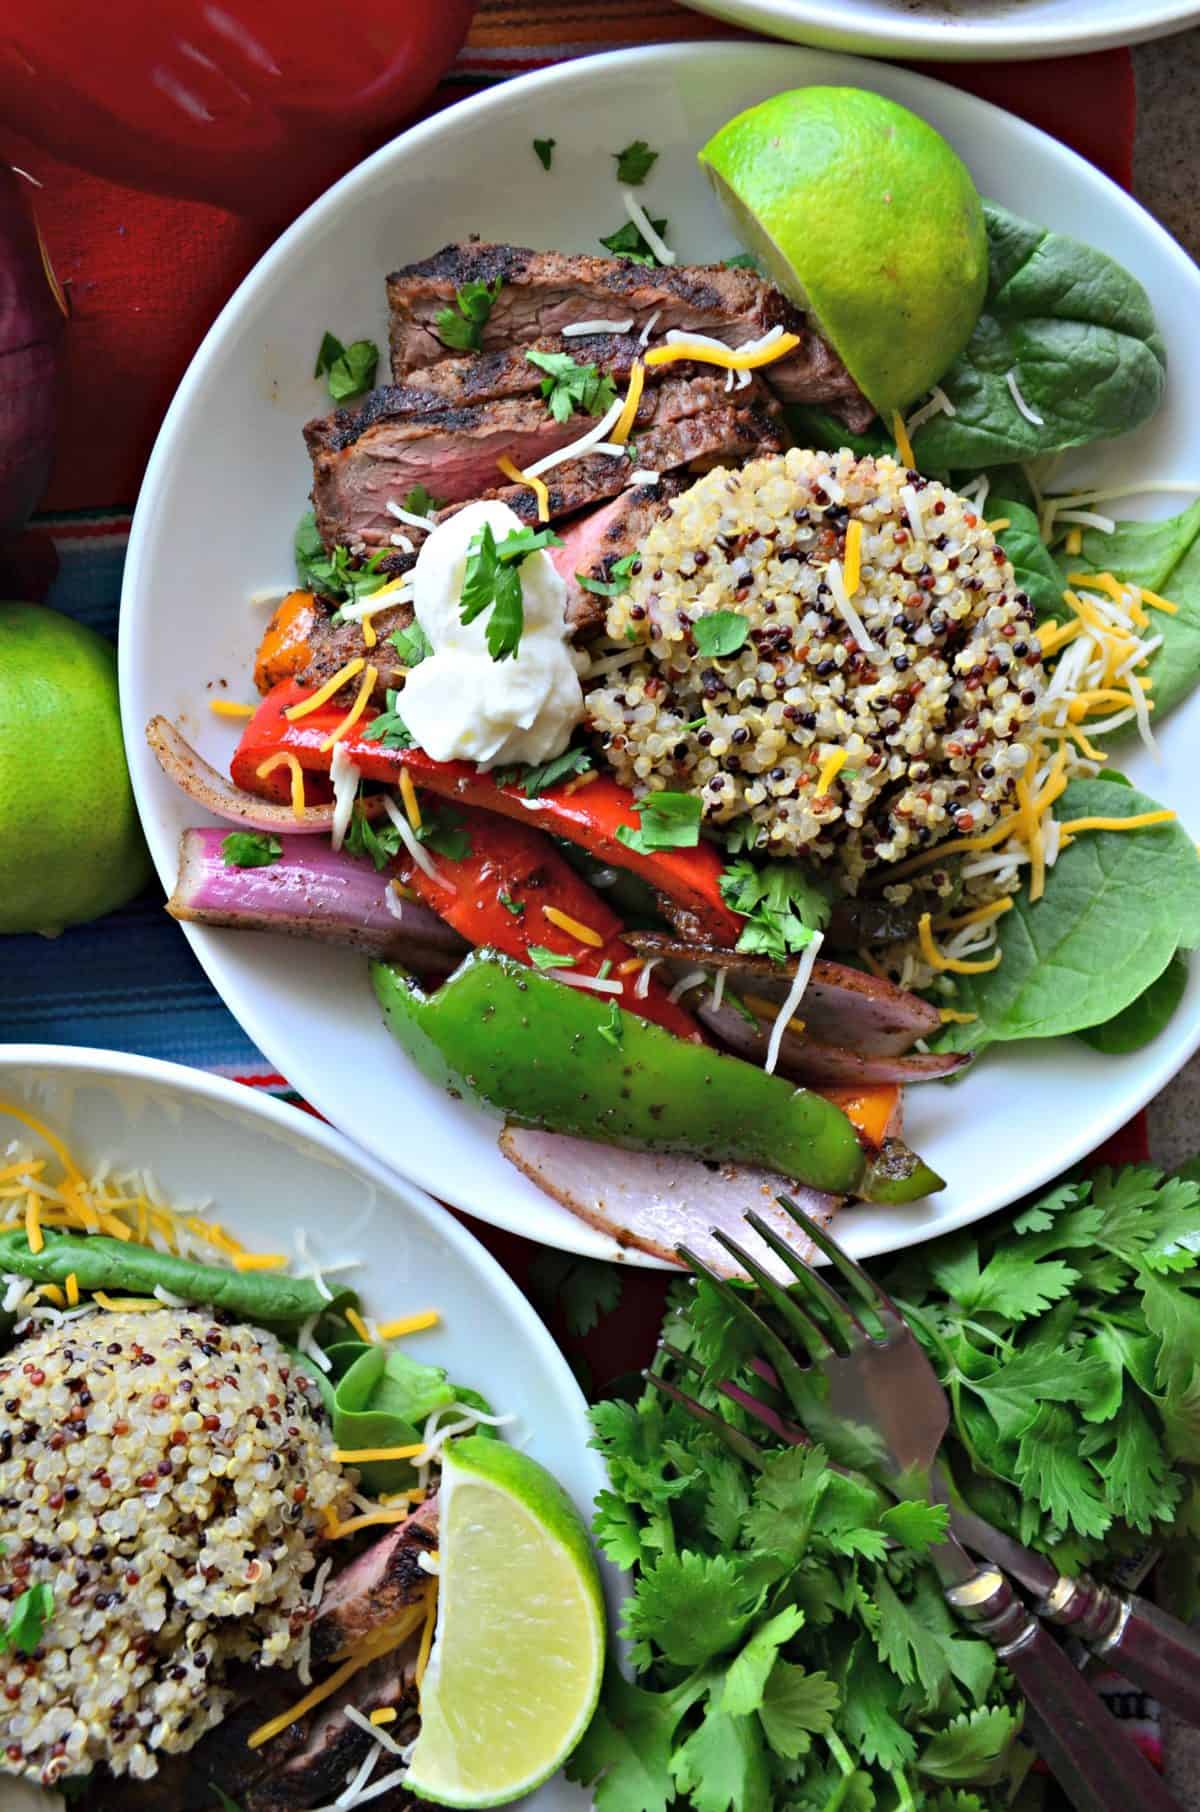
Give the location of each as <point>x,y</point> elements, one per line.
<point>459,703</point>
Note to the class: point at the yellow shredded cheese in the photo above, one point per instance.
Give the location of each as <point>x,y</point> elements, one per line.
<point>536,485</point>
<point>1001,522</point>
<point>115,1304</point>
<point>409,1324</point>
<point>359,1325</point>
<point>285,758</point>
<point>53,1294</point>
<point>1074,541</point>
<point>573,786</point>
<point>33,1223</point>
<point>229,707</point>
<point>762,1008</point>
<point>355,712</point>
<point>324,693</point>
<point>359,1456</point>
<point>633,965</point>
<point>372,1520</point>
<point>903,444</point>
<point>852,566</point>
<point>1156,603</point>
<point>954,964</point>
<point>633,396</point>
<point>980,916</point>
<point>381,1644</point>
<point>368,628</point>
<point>72,1291</point>
<point>408,796</point>
<point>260,1261</point>
<point>949,1016</point>
<point>382,1714</point>
<point>426,1640</point>
<point>573,927</point>
<point>726,357</point>
<point>1138,821</point>
<point>831,767</point>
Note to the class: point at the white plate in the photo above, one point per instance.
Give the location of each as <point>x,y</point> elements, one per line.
<point>228,479</point>
<point>959,31</point>
<point>272,1169</point>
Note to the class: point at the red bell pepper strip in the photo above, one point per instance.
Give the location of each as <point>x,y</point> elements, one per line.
<point>589,816</point>
<point>498,895</point>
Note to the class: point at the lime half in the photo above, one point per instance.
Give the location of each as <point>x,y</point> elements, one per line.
<point>866,217</point>
<point>518,1652</point>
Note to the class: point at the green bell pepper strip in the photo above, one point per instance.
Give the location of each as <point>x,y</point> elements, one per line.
<point>551,1056</point>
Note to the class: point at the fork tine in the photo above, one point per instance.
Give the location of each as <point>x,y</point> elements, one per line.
<point>863,1286</point>
<point>791,1375</point>
<point>814,1338</point>
<point>811,1284</point>
<point>737,1442</point>
<point>790,1433</point>
<point>680,1357</point>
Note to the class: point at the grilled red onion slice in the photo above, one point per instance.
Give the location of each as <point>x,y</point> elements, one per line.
<point>657,1200</point>
<point>210,789</point>
<point>827,1065</point>
<point>310,892</point>
<point>842,1006</point>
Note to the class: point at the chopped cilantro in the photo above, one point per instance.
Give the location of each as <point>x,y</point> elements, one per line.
<point>635,162</point>
<point>570,388</point>
<point>544,148</point>
<point>28,1618</point>
<point>349,369</point>
<point>720,634</point>
<point>541,958</point>
<point>420,502</point>
<point>462,327</point>
<point>741,261</point>
<point>619,574</point>
<point>411,644</point>
<point>627,242</point>
<point>332,575</point>
<point>389,728</point>
<point>442,832</point>
<point>739,1006</point>
<point>250,849</point>
<point>540,778</point>
<point>668,821</point>
<point>783,904</point>
<point>581,1289</point>
<point>516,907</point>
<point>612,1031</point>
<point>492,580</point>
<point>377,843</point>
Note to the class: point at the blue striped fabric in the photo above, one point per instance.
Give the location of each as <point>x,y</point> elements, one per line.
<point>129,982</point>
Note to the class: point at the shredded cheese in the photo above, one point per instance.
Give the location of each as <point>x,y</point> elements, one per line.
<point>260,1261</point>
<point>33,1223</point>
<point>426,1640</point>
<point>702,351</point>
<point>629,408</point>
<point>1001,522</point>
<point>1138,821</point>
<point>1074,541</point>
<point>1031,415</point>
<point>831,767</point>
<point>408,1324</point>
<point>646,228</point>
<point>598,984</point>
<point>980,916</point>
<point>324,693</point>
<point>795,995</point>
<point>535,484</point>
<point>950,1017</point>
<point>355,712</point>
<point>903,444</point>
<point>383,1714</point>
<point>408,795</point>
<point>417,851</point>
<point>358,1324</point>
<point>117,1304</point>
<point>381,1644</point>
<point>72,1291</point>
<point>582,327</point>
<point>853,568</point>
<point>577,448</point>
<point>229,707</point>
<point>846,610</point>
<point>358,1456</point>
<point>955,965</point>
<point>762,1008</point>
<point>286,759</point>
<point>581,780</point>
<point>573,927</point>
<point>409,517</point>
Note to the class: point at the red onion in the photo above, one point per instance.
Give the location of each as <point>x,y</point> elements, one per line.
<point>31,323</point>
<point>311,891</point>
<point>209,788</point>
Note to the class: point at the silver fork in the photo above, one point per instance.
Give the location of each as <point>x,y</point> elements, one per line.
<point>865,1389</point>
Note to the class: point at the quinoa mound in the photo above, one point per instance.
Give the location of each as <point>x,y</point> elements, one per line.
<point>931,718</point>
<point>166,1476</point>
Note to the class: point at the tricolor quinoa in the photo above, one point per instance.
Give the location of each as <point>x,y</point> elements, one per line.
<point>859,725</point>
<point>166,1476</point>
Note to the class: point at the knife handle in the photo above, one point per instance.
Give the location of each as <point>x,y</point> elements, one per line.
<point>1128,1633</point>
<point>1099,1768</point>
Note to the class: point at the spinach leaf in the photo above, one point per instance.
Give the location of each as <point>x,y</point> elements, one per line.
<point>100,1263</point>
<point>1145,1017</point>
<point>383,1399</point>
<point>1163,556</point>
<point>1117,905</point>
<point>1075,329</point>
<point>1038,572</point>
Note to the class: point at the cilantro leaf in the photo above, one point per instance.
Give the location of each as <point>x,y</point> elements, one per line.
<point>541,958</point>
<point>741,261</point>
<point>635,163</point>
<point>377,843</point>
<point>625,1754</point>
<point>1015,1283</point>
<point>619,572</point>
<point>1139,1483</point>
<point>747,1675</point>
<point>796,1705</point>
<point>719,634</point>
<point>668,821</point>
<point>782,902</point>
<point>723,1765</point>
<point>627,242</point>
<point>461,327</point>
<point>694,1606</point>
<point>332,575</point>
<point>389,728</point>
<point>570,388</point>
<point>1052,1471</point>
<point>411,644</point>
<point>915,1524</point>
<point>515,907</point>
<point>350,370</point>
<point>584,1288</point>
<point>28,1618</point>
<point>419,502</point>
<point>250,849</point>
<point>972,1746</point>
<point>869,1711</point>
<point>442,832</point>
<point>1014,1386</point>
<point>540,777</point>
<point>617,1530</point>
<point>613,1029</point>
<point>544,150</point>
<point>492,580</point>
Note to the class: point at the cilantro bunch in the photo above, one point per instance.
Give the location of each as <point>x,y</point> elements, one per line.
<point>792,1645</point>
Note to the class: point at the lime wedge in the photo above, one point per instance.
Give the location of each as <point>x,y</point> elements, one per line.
<point>518,1651</point>
<point>864,215</point>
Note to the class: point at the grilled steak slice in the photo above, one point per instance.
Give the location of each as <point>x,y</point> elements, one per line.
<point>374,1588</point>
<point>480,377</point>
<point>316,1771</point>
<point>543,292</point>
<point>361,461</point>
<point>593,543</point>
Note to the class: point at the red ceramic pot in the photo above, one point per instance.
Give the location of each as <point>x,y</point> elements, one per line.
<point>254,105</point>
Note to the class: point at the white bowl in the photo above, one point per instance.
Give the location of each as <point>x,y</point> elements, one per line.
<point>227,482</point>
<point>959,31</point>
<point>272,1169</point>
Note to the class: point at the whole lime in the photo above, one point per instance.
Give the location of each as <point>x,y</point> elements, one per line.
<point>70,844</point>
<point>865,216</point>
